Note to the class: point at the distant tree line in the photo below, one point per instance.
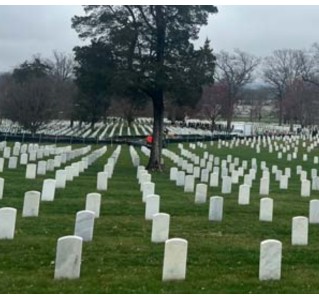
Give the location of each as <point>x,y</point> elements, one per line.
<point>141,60</point>
<point>62,87</point>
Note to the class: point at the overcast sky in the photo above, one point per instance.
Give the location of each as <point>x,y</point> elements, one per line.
<point>29,30</point>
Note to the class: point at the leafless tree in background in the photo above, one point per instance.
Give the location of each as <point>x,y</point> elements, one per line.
<point>281,70</point>
<point>311,66</point>
<point>235,71</point>
<point>257,99</point>
<point>31,104</point>
<point>212,101</point>
<point>62,67</point>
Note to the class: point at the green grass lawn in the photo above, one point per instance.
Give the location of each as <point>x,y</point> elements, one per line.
<point>223,257</point>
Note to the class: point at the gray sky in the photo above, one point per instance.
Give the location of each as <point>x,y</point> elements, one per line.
<point>29,30</point>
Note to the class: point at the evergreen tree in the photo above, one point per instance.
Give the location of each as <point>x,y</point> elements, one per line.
<point>153,53</point>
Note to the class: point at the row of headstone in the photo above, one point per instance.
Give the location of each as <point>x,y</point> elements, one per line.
<point>283,178</point>
<point>102,177</point>
<point>175,252</point>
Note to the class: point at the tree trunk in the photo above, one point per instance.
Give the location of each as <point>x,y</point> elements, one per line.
<point>229,114</point>
<point>229,119</point>
<point>280,111</point>
<point>154,163</point>
<point>92,124</point>
<point>156,150</point>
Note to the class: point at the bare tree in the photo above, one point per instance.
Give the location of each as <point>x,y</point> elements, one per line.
<point>281,70</point>
<point>61,71</point>
<point>62,65</point>
<point>126,108</point>
<point>235,71</point>
<point>31,104</point>
<point>300,103</point>
<point>27,95</point>
<point>256,98</point>
<point>310,65</point>
<point>212,101</point>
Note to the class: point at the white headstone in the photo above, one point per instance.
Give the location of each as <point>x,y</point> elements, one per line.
<point>31,204</point>
<point>201,193</point>
<point>152,206</point>
<point>264,186</point>
<point>69,173</point>
<point>189,184</point>
<point>213,180</point>
<point>252,173</point>
<point>315,183</point>
<point>216,208</point>
<point>148,188</point>
<point>48,190</point>
<point>303,175</point>
<point>60,178</point>
<point>1,164</point>
<point>196,172</point>
<point>173,173</point>
<point>50,165</point>
<point>288,172</point>
<point>142,168</point>
<point>278,175</point>
<point>248,180</point>
<point>93,203</point>
<point>283,182</point>
<point>42,167</point>
<point>180,178</point>
<point>314,211</point>
<point>235,177</point>
<point>160,227</point>
<point>313,173</point>
<point>102,178</point>
<point>13,162</point>
<point>244,194</point>
<point>305,188</point>
<point>175,257</point>
<point>23,159</point>
<point>204,175</point>
<point>270,260</point>
<point>68,257</point>
<point>31,171</point>
<point>6,152</point>
<point>84,225</point>
<point>266,209</point>
<point>299,234</point>
<point>57,161</point>
<point>1,187</point>
<point>7,222</point>
<point>298,170</point>
<point>33,155</point>
<point>145,177</point>
<point>76,169</point>
<point>226,185</point>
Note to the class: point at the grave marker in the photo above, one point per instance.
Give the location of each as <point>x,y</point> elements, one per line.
<point>7,222</point>
<point>175,257</point>
<point>160,227</point>
<point>270,260</point>
<point>31,204</point>
<point>84,225</point>
<point>68,257</point>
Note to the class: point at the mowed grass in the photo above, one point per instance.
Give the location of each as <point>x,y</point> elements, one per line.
<point>223,257</point>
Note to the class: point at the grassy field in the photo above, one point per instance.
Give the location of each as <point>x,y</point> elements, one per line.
<point>223,257</point>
